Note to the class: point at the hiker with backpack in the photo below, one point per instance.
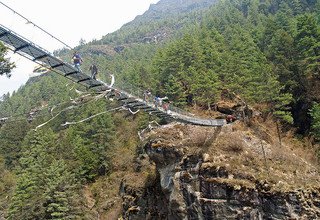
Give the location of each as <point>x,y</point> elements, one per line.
<point>94,71</point>
<point>77,61</point>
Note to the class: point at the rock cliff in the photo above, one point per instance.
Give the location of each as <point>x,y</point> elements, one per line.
<point>234,172</point>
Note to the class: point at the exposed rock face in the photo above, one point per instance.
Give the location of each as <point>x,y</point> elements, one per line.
<point>192,185</point>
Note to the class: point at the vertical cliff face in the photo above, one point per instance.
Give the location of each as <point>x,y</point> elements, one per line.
<point>214,173</point>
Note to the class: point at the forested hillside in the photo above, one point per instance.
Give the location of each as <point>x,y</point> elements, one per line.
<point>265,51</point>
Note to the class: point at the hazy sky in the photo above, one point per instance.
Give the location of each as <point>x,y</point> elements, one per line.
<point>68,20</point>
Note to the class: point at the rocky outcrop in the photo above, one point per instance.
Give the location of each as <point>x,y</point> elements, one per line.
<point>192,183</point>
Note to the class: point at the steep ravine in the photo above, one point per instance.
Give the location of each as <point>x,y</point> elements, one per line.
<point>232,172</point>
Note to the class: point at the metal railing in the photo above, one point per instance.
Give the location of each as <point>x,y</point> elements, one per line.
<point>174,112</point>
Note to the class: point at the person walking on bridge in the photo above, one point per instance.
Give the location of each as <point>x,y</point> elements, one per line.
<point>94,71</point>
<point>77,61</point>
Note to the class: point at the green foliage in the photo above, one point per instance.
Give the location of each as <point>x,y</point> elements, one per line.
<point>45,188</point>
<point>206,87</point>
<point>5,65</point>
<point>185,74</point>
<point>11,137</point>
<point>281,107</point>
<point>27,202</point>
<point>7,182</point>
<point>60,186</point>
<point>246,70</point>
<point>90,141</point>
<point>315,114</point>
<point>174,90</point>
<point>281,52</point>
<point>308,44</point>
<point>195,69</point>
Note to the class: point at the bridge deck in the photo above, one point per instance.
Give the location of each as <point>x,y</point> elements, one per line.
<point>26,48</point>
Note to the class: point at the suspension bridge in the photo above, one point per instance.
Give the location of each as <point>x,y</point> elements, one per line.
<point>130,99</point>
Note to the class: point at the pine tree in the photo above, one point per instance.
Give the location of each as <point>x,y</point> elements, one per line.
<point>297,6</point>
<point>45,188</point>
<point>5,65</point>
<point>281,52</point>
<point>284,18</point>
<point>270,28</point>
<point>206,88</point>
<point>317,10</point>
<point>281,107</point>
<point>178,66</point>
<point>90,141</point>
<point>59,192</point>
<point>308,44</point>
<point>246,70</point>
<point>7,183</point>
<point>315,114</point>
<point>11,137</point>
<point>28,200</point>
<point>174,90</point>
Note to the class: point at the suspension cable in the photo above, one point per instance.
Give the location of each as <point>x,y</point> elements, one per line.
<point>30,22</point>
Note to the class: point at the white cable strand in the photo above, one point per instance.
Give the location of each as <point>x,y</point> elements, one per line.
<point>129,109</point>
<point>30,22</point>
<point>68,108</point>
<point>86,119</point>
<point>112,80</point>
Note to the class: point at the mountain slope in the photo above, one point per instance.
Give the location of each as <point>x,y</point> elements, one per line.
<point>161,20</point>
<point>211,58</point>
